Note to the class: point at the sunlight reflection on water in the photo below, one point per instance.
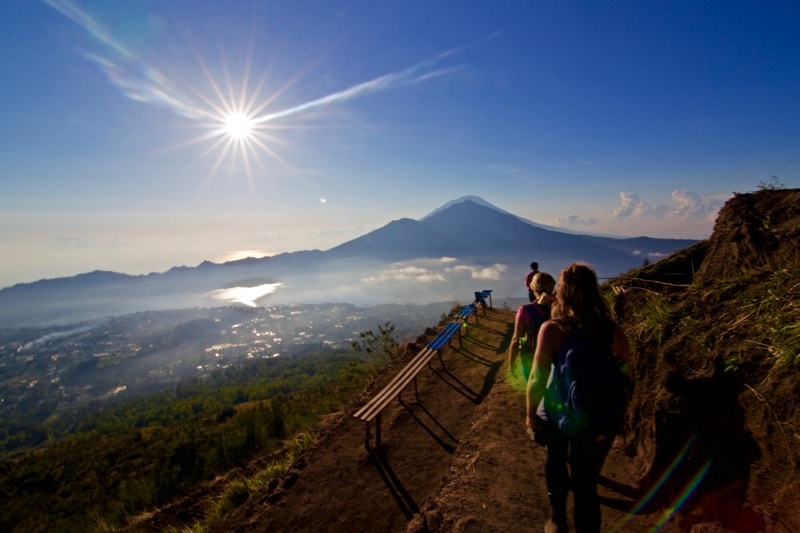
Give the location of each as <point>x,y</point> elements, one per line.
<point>245,295</point>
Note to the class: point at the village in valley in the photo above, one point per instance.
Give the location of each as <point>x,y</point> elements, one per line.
<point>47,369</point>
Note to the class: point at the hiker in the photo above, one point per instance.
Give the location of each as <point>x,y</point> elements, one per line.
<point>579,312</point>
<point>526,326</point>
<point>529,278</point>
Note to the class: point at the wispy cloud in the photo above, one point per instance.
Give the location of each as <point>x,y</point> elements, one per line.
<point>85,242</point>
<point>577,220</point>
<point>92,27</point>
<point>435,270</point>
<point>650,255</point>
<point>408,76</point>
<point>135,78</point>
<point>404,274</point>
<point>691,205</point>
<point>142,82</point>
<point>632,206</point>
<point>688,214</point>
<point>494,272</point>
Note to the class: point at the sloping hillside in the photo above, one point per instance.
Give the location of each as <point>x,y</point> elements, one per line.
<point>717,367</point>
<point>713,431</point>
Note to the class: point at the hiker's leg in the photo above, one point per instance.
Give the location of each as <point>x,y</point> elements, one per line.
<point>556,473</point>
<point>586,460</point>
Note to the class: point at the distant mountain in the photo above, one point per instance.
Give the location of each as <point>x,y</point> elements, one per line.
<point>465,245</point>
<point>481,201</point>
<point>471,228</point>
<point>474,199</point>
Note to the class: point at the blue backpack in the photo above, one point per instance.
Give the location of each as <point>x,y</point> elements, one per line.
<point>587,392</point>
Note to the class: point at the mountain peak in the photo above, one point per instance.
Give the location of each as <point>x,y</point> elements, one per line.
<point>475,199</point>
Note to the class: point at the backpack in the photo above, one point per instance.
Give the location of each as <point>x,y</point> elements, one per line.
<point>537,315</point>
<point>587,392</point>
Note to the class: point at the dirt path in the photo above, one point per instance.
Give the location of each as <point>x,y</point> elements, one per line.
<point>459,460</point>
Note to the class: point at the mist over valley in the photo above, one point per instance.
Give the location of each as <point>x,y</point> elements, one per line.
<point>464,246</point>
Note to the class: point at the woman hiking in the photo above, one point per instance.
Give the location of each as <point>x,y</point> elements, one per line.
<point>529,319</point>
<point>582,328</point>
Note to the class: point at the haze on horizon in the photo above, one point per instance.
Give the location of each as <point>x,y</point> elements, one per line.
<point>141,136</point>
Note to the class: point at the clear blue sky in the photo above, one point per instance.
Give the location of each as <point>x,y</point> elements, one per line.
<point>625,118</point>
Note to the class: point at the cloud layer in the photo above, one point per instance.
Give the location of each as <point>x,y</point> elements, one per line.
<point>688,214</point>
<point>438,271</point>
<point>686,205</point>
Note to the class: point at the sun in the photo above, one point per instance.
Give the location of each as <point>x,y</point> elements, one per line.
<point>239,127</point>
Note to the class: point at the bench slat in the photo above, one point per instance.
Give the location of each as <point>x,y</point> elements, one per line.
<point>378,402</point>
<point>393,388</point>
<point>465,312</point>
<point>373,408</point>
<point>445,336</point>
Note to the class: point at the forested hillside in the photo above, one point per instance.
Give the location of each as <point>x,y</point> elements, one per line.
<point>144,453</point>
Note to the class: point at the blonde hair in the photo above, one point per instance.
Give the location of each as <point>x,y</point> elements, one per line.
<point>542,286</point>
<point>578,299</point>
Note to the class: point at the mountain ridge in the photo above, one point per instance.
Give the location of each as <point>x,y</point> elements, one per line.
<point>465,243</point>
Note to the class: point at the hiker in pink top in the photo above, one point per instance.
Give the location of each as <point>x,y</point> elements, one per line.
<point>526,326</point>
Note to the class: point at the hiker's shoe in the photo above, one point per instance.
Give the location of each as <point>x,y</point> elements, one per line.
<point>554,527</point>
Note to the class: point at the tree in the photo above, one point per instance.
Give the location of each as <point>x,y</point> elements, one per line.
<point>773,184</point>
<point>379,349</point>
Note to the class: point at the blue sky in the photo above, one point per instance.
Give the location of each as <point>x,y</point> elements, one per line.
<point>624,118</point>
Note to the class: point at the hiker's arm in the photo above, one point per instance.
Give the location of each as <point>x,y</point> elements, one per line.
<point>513,349</point>
<point>546,347</point>
<point>620,345</point>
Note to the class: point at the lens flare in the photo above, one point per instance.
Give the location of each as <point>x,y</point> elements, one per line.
<point>684,495</point>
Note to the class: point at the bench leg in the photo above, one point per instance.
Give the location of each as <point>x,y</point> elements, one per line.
<point>450,340</point>
<point>378,431</point>
<point>430,364</point>
<point>441,362</point>
<point>367,443</point>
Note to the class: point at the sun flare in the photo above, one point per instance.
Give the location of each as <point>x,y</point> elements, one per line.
<point>239,126</point>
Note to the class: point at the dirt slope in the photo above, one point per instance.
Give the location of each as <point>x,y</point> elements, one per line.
<point>716,343</point>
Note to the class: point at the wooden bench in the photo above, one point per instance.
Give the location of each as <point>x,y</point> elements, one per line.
<point>465,312</point>
<point>373,408</point>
